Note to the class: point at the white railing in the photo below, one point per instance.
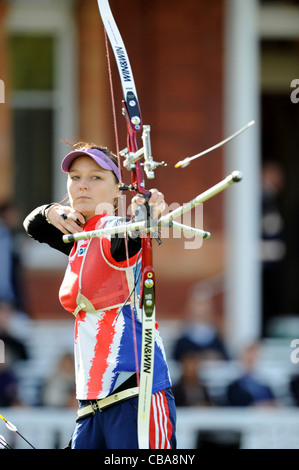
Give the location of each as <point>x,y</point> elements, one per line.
<point>48,428</point>
<point>266,428</point>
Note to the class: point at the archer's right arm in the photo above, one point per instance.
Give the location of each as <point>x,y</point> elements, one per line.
<point>38,228</point>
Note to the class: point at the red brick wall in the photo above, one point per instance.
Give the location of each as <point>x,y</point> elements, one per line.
<point>175,49</point>
<point>94,95</point>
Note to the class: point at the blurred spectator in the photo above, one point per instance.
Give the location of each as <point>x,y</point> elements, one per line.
<point>9,385</point>
<point>189,390</point>
<point>14,351</point>
<point>59,390</point>
<point>201,334</point>
<point>249,389</point>
<point>11,266</point>
<point>13,346</point>
<point>273,246</point>
<point>294,389</point>
<point>6,256</point>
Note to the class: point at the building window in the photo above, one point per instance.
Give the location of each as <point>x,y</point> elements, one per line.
<point>33,114</point>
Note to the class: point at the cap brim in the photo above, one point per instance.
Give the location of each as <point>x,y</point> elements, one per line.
<point>99,157</point>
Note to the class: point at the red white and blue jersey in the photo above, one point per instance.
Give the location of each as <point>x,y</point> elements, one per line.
<point>102,294</point>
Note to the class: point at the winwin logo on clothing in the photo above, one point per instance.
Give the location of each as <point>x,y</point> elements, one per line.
<point>82,247</point>
<point>82,251</point>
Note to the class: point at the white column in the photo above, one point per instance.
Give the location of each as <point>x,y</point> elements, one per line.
<point>242,204</point>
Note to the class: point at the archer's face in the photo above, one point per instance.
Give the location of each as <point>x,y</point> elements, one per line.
<point>91,189</point>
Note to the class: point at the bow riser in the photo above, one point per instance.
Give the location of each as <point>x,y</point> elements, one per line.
<point>133,129</point>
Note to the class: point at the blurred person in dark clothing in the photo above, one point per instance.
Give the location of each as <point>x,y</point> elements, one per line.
<point>9,385</point>
<point>17,349</point>
<point>201,334</point>
<point>294,389</point>
<point>11,283</point>
<point>189,390</point>
<point>249,389</point>
<point>14,351</point>
<point>273,245</point>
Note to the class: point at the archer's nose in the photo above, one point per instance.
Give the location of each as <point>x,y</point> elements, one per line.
<point>83,184</point>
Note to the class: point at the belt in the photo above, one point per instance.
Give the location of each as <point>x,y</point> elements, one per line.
<point>100,405</point>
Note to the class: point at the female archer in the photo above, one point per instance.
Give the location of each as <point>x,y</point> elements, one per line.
<point>100,289</point>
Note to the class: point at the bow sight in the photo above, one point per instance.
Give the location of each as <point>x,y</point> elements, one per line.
<point>149,164</point>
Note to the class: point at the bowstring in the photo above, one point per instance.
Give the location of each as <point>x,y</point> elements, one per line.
<point>122,198</point>
<point>113,104</point>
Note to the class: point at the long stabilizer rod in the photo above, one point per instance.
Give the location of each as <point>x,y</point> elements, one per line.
<point>165,220</point>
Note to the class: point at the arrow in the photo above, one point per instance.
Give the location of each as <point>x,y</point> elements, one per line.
<point>187,160</point>
<point>13,428</point>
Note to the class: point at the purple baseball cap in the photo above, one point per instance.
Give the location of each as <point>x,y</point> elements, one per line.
<point>99,157</point>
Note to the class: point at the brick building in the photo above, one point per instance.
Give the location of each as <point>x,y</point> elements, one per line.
<point>196,68</point>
